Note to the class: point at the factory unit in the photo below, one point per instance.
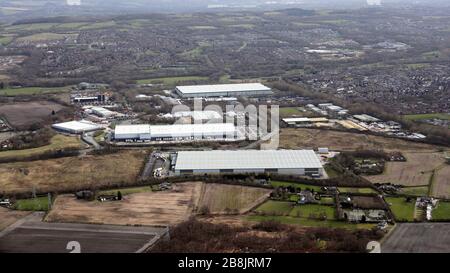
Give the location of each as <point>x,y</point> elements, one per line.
<point>290,162</point>
<point>175,132</point>
<point>223,90</point>
<point>304,122</point>
<point>77,127</point>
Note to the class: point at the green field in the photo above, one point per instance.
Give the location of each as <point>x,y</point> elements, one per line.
<point>416,191</point>
<point>172,80</point>
<point>442,211</point>
<point>289,111</point>
<point>45,37</point>
<point>308,222</point>
<point>313,211</point>
<point>32,91</point>
<point>275,207</point>
<point>57,142</point>
<point>402,210</point>
<point>417,117</point>
<point>126,191</point>
<point>295,185</point>
<point>33,204</point>
<point>4,40</point>
<point>356,190</point>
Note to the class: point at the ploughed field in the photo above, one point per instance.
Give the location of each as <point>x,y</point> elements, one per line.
<point>26,113</point>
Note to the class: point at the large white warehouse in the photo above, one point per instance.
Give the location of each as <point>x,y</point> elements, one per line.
<point>77,127</point>
<point>296,162</point>
<point>175,132</point>
<point>223,90</point>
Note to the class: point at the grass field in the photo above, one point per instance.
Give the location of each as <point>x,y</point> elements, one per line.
<point>356,190</point>
<point>32,91</point>
<point>39,37</point>
<point>441,212</point>
<point>289,111</point>
<point>416,191</point>
<point>219,198</point>
<point>32,204</point>
<point>445,116</point>
<point>314,211</point>
<point>71,173</point>
<point>295,138</point>
<point>58,142</point>
<point>172,80</point>
<point>402,210</point>
<point>296,185</point>
<point>275,207</point>
<point>308,222</point>
<point>441,182</point>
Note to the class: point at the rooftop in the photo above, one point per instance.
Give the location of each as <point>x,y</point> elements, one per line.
<point>82,125</point>
<point>247,159</point>
<point>217,88</point>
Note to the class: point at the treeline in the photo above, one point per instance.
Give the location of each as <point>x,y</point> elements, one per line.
<point>30,140</point>
<point>195,236</point>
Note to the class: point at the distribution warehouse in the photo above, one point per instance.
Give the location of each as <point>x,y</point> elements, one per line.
<point>223,90</point>
<point>175,131</point>
<point>296,162</point>
<point>77,127</point>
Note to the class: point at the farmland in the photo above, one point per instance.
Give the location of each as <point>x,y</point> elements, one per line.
<point>417,117</point>
<point>441,212</point>
<point>71,173</point>
<point>403,211</point>
<point>291,138</point>
<point>420,169</point>
<point>172,80</point>
<point>220,198</point>
<point>144,208</point>
<point>27,113</point>
<point>58,142</point>
<point>32,91</point>
<point>10,216</point>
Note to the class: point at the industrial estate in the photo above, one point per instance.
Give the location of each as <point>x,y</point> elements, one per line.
<point>278,131</point>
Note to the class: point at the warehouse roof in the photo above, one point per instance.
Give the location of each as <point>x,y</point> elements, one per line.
<point>180,129</point>
<point>82,125</point>
<point>132,129</point>
<point>218,88</point>
<point>247,159</point>
<point>175,129</point>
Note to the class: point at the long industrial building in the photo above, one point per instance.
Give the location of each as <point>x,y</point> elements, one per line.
<point>223,90</point>
<point>175,132</point>
<point>291,162</point>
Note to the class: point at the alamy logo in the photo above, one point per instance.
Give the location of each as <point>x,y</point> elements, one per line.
<point>252,122</point>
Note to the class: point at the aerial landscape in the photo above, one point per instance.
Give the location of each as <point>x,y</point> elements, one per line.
<point>202,126</point>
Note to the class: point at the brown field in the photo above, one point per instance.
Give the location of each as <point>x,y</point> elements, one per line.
<point>416,171</point>
<point>148,208</point>
<point>24,114</point>
<point>8,217</point>
<point>219,198</point>
<point>441,182</point>
<point>71,173</point>
<point>292,138</point>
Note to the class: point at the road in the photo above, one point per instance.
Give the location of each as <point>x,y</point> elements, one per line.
<point>31,235</point>
<point>418,238</point>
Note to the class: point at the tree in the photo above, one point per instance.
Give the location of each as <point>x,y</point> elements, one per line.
<point>119,195</point>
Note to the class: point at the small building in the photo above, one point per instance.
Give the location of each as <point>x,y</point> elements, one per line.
<point>293,162</point>
<point>77,127</point>
<point>366,118</point>
<point>223,90</point>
